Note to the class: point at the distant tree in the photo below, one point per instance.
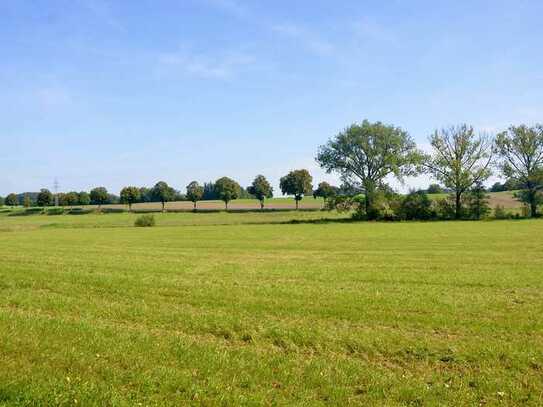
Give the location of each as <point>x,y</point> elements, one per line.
<point>84,198</point>
<point>365,154</point>
<point>435,189</point>
<point>195,192</point>
<point>497,187</point>
<point>71,199</point>
<point>45,198</point>
<point>27,201</point>
<point>260,189</point>
<point>129,196</point>
<point>99,196</point>
<point>325,191</point>
<point>227,190</point>
<point>478,201</point>
<point>520,150</point>
<point>459,160</point>
<point>145,195</point>
<point>2,201</point>
<point>209,192</point>
<point>297,183</point>
<point>11,200</point>
<point>163,193</point>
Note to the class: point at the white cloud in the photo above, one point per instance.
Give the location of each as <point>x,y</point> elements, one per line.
<point>223,66</point>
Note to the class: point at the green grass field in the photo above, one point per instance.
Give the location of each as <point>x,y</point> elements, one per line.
<point>209,309</point>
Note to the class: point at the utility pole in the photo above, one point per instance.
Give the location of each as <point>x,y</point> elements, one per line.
<point>56,186</point>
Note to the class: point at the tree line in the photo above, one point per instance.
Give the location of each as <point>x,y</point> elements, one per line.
<point>365,155</point>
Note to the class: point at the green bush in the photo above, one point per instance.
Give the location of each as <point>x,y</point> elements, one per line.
<point>145,221</point>
<point>54,211</point>
<point>501,213</point>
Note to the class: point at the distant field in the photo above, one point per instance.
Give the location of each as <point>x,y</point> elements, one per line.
<point>208,309</point>
<point>505,199</point>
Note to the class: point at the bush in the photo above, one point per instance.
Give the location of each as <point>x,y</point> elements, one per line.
<point>415,206</point>
<point>54,211</point>
<point>145,221</point>
<point>501,213</point>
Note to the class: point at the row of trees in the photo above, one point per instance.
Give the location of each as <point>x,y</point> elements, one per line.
<point>365,154</point>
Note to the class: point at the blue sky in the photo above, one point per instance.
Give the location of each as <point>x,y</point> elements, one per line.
<point>114,93</point>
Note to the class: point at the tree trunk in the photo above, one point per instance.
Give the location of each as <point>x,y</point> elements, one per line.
<point>194,206</point>
<point>163,206</point>
<point>226,204</point>
<point>533,208</point>
<point>458,206</point>
<point>129,207</point>
<point>262,205</point>
<point>296,199</point>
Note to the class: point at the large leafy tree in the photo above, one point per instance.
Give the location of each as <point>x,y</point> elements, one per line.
<point>227,190</point>
<point>45,198</point>
<point>129,196</point>
<point>195,192</point>
<point>365,154</point>
<point>520,150</point>
<point>260,189</point>
<point>459,159</point>
<point>162,193</point>
<point>297,183</point>
<point>99,196</point>
<point>12,200</point>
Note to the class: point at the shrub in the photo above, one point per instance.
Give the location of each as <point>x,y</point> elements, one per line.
<point>145,221</point>
<point>501,213</point>
<point>54,211</point>
<point>415,206</point>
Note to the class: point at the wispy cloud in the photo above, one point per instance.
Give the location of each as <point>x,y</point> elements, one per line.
<point>222,66</point>
<point>305,37</point>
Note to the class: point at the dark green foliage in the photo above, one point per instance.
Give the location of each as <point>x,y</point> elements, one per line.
<point>163,193</point>
<point>45,198</point>
<point>260,189</point>
<point>1,201</point>
<point>521,158</point>
<point>227,190</point>
<point>129,196</point>
<point>54,211</point>
<point>195,192</point>
<point>84,198</point>
<point>145,195</point>
<point>477,202</point>
<point>325,191</point>
<point>435,189</point>
<point>147,220</point>
<point>68,199</point>
<point>446,208</point>
<point>209,192</point>
<point>416,205</point>
<point>99,196</point>
<point>11,200</point>
<point>459,160</point>
<point>297,183</point>
<point>365,154</point>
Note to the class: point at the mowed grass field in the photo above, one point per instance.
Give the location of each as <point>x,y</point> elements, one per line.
<point>208,309</point>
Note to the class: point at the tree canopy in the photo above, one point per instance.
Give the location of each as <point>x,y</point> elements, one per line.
<point>365,154</point>
<point>129,196</point>
<point>195,192</point>
<point>521,158</point>
<point>45,198</point>
<point>163,193</point>
<point>227,190</point>
<point>260,189</point>
<point>99,196</point>
<point>297,183</point>
<point>459,159</point>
